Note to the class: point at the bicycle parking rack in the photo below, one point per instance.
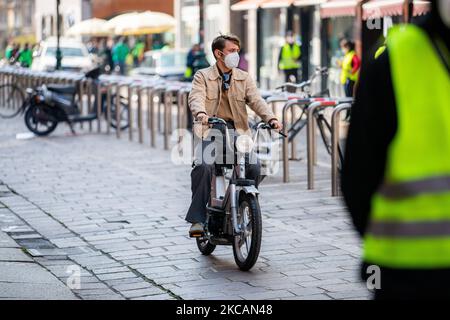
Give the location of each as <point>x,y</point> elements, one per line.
<point>335,118</point>
<point>169,93</point>
<point>146,89</point>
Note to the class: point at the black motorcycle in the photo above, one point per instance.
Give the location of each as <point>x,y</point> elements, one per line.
<point>53,103</point>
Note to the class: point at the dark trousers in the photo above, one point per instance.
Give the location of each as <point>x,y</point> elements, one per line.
<point>290,72</point>
<point>348,88</point>
<point>201,176</point>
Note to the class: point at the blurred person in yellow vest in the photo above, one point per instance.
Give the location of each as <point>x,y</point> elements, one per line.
<point>396,173</point>
<point>350,65</point>
<point>289,58</point>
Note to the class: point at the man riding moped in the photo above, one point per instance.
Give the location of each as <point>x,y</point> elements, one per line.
<point>222,91</point>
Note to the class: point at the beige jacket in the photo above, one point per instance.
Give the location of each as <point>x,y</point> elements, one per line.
<point>206,94</point>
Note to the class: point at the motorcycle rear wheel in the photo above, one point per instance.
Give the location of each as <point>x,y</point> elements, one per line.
<point>38,121</point>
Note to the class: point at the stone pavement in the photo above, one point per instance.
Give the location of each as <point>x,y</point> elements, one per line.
<point>115,210</point>
<point>21,277</point>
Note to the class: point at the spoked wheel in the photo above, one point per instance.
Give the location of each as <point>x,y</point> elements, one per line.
<point>124,113</point>
<point>11,100</point>
<point>246,245</point>
<point>205,247</point>
<point>39,121</point>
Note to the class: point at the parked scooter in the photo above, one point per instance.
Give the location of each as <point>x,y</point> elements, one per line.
<point>55,103</point>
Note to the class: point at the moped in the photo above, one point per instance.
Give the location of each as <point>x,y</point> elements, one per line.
<point>54,103</point>
<point>233,211</point>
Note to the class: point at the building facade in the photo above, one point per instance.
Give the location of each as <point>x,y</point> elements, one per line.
<point>106,9</point>
<point>17,21</point>
<point>71,12</point>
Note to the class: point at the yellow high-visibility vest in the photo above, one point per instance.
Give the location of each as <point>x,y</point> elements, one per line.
<point>289,57</point>
<point>409,226</point>
<point>346,72</point>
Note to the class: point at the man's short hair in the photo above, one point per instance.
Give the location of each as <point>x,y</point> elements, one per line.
<point>219,41</point>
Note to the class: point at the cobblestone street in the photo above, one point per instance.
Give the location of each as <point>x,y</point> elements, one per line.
<point>116,209</point>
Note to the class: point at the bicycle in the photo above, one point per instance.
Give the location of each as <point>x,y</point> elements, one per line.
<point>305,98</point>
<point>12,100</point>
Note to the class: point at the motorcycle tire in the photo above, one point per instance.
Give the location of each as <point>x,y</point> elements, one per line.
<point>38,121</point>
<point>248,206</point>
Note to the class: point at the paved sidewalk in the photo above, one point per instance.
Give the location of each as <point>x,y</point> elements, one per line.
<point>22,278</point>
<point>116,209</point>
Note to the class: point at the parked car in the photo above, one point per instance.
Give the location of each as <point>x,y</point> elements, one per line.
<point>167,64</point>
<point>75,56</point>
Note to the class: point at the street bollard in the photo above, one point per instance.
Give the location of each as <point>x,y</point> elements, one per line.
<point>335,118</point>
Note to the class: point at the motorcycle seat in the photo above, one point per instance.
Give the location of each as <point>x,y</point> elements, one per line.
<point>62,89</point>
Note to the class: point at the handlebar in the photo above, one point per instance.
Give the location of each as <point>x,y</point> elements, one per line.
<point>319,70</point>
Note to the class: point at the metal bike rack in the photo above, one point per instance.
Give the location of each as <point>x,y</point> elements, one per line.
<point>182,103</point>
<point>118,107</point>
<point>109,85</point>
<point>139,89</point>
<point>335,146</point>
<point>99,106</point>
<point>152,92</point>
<point>289,105</point>
<point>168,103</point>
<point>311,137</point>
<point>130,89</point>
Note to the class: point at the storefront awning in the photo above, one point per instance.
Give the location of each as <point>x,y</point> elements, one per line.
<point>338,8</point>
<point>277,3</point>
<point>247,5</point>
<point>265,4</point>
<point>305,3</point>
<point>381,8</point>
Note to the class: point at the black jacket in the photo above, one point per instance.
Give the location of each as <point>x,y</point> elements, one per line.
<point>373,127</point>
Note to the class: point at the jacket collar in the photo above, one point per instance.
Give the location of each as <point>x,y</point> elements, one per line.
<point>214,73</point>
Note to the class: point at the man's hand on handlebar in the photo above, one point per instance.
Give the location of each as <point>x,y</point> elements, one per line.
<point>276,125</point>
<point>203,117</point>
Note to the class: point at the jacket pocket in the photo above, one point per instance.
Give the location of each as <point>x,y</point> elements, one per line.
<point>212,94</point>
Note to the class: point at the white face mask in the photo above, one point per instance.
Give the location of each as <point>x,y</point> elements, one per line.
<point>444,11</point>
<point>232,60</point>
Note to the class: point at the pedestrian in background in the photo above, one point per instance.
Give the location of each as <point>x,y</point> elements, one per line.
<point>350,65</point>
<point>289,58</point>
<point>25,57</point>
<point>243,62</point>
<point>138,52</point>
<point>396,173</point>
<point>120,53</point>
<point>190,60</point>
<point>107,56</point>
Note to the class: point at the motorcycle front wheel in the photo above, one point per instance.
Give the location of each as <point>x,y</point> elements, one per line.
<point>39,120</point>
<point>247,244</point>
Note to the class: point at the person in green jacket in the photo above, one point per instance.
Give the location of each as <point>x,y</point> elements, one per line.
<point>138,52</point>
<point>26,56</point>
<point>120,53</point>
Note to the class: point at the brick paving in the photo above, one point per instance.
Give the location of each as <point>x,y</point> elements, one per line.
<point>115,209</point>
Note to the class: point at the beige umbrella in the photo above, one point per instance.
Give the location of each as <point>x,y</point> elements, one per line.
<point>147,22</point>
<point>89,27</point>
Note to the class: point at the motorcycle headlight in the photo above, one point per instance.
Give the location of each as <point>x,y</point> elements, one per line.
<point>244,144</point>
